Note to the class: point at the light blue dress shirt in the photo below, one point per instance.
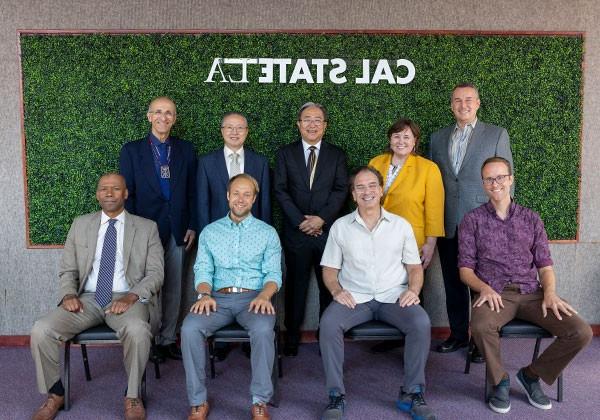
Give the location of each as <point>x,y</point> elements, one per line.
<point>247,254</point>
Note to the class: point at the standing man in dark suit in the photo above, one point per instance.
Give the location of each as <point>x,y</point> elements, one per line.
<point>160,171</point>
<point>311,185</point>
<point>459,151</point>
<point>216,168</point>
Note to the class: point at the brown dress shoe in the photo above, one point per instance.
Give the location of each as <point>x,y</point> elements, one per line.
<point>259,412</point>
<point>50,407</point>
<point>199,412</point>
<point>134,409</point>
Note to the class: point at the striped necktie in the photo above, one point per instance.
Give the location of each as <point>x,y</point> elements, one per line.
<point>106,272</point>
<point>310,164</point>
<point>234,169</point>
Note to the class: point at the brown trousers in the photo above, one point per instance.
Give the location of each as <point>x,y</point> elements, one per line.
<point>572,334</point>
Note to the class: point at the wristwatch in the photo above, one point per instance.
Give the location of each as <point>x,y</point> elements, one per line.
<point>201,295</point>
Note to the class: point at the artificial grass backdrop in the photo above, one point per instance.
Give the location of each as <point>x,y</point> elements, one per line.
<point>87,94</point>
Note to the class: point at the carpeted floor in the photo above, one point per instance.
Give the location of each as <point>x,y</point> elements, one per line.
<point>372,383</point>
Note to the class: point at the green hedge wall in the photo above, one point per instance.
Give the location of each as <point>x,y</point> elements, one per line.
<point>87,94</point>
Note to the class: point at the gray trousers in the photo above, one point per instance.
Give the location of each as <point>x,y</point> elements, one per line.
<point>171,292</point>
<point>132,328</point>
<point>196,328</point>
<point>412,320</point>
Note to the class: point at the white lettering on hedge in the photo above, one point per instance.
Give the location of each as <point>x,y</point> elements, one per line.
<point>287,70</point>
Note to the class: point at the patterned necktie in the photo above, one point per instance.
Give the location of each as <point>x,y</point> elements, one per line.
<point>107,266</point>
<point>310,164</point>
<point>234,169</point>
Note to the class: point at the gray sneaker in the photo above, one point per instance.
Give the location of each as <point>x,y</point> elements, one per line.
<point>335,408</point>
<point>534,392</point>
<point>500,401</point>
<point>415,405</point>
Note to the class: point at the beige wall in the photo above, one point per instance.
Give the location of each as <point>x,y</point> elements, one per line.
<point>28,276</point>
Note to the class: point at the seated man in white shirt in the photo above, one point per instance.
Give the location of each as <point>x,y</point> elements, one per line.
<point>371,266</point>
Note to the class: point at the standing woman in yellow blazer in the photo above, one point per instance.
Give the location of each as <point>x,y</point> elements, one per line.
<point>413,186</point>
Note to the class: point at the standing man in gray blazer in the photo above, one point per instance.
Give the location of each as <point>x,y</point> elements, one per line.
<point>459,151</point>
<point>111,271</point>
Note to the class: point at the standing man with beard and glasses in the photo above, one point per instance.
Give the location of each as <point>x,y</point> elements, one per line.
<point>505,259</point>
<point>160,171</point>
<point>459,151</point>
<point>372,267</point>
<point>111,271</point>
<point>237,272</point>
<point>214,171</point>
<point>311,187</point>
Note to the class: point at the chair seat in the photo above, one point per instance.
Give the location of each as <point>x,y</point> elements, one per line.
<point>374,330</point>
<point>98,334</point>
<point>521,328</point>
<point>232,331</point>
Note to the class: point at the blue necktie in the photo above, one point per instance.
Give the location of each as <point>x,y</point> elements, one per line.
<point>107,266</point>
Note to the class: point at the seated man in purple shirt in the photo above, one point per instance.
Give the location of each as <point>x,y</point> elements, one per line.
<point>503,248</point>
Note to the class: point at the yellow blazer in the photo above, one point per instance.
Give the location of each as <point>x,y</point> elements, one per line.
<point>417,194</point>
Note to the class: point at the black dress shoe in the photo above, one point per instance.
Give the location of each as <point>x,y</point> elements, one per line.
<point>157,355</point>
<point>385,346</point>
<point>170,351</point>
<point>221,351</point>
<point>290,349</point>
<point>476,356</point>
<point>450,345</point>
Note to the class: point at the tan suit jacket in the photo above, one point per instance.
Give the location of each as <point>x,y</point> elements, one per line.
<point>143,258</point>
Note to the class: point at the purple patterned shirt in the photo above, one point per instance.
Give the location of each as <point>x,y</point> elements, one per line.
<point>503,252</point>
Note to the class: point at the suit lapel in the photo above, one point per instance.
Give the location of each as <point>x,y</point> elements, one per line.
<point>91,241</point>
<point>128,236</point>
<point>298,156</point>
<point>405,172</point>
<point>221,167</point>
<point>250,163</point>
<point>175,163</point>
<point>324,155</point>
<point>148,165</point>
<point>473,143</point>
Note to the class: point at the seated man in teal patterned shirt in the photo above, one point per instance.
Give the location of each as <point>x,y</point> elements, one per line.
<point>237,271</point>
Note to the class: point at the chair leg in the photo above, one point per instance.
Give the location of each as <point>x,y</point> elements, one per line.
<point>86,363</point>
<point>155,362</point>
<point>487,388</point>
<point>67,375</point>
<point>211,356</point>
<point>559,389</point>
<point>469,353</point>
<point>143,388</point>
<point>278,353</point>
<point>536,349</point>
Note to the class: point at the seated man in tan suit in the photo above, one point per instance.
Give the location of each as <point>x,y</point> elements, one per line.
<point>111,271</point>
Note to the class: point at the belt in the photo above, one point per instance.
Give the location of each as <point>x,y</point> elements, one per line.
<point>234,290</point>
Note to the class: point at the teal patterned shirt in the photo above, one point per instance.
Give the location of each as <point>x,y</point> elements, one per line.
<point>247,254</point>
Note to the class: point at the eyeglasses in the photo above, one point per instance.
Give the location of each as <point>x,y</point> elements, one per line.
<point>362,188</point>
<point>161,113</point>
<point>316,122</point>
<point>232,129</point>
<point>498,180</point>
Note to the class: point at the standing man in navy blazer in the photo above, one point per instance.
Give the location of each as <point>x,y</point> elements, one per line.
<point>459,151</point>
<point>216,168</point>
<point>160,172</point>
<point>311,185</point>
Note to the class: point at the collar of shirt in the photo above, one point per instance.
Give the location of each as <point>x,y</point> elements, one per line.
<point>472,124</point>
<point>104,218</point>
<point>492,210</point>
<point>156,142</point>
<point>385,215</point>
<point>228,152</point>
<point>244,223</point>
<point>307,145</point>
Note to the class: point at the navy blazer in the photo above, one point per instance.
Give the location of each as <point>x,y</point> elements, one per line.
<point>212,180</point>
<point>327,196</point>
<point>174,216</point>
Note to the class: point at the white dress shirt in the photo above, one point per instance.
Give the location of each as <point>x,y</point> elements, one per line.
<point>119,282</point>
<point>306,146</point>
<point>229,160</point>
<point>371,263</point>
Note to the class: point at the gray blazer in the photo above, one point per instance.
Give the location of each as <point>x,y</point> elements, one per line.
<point>464,191</point>
<point>143,258</point>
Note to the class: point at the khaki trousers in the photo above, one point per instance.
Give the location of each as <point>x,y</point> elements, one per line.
<point>132,328</point>
<point>572,334</point>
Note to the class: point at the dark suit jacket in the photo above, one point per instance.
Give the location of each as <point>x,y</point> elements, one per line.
<point>142,258</point>
<point>325,199</point>
<point>178,214</point>
<point>212,182</point>
<point>464,191</point>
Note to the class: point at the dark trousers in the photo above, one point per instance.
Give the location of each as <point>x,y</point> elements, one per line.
<point>457,293</point>
<point>300,261</point>
<point>572,334</point>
